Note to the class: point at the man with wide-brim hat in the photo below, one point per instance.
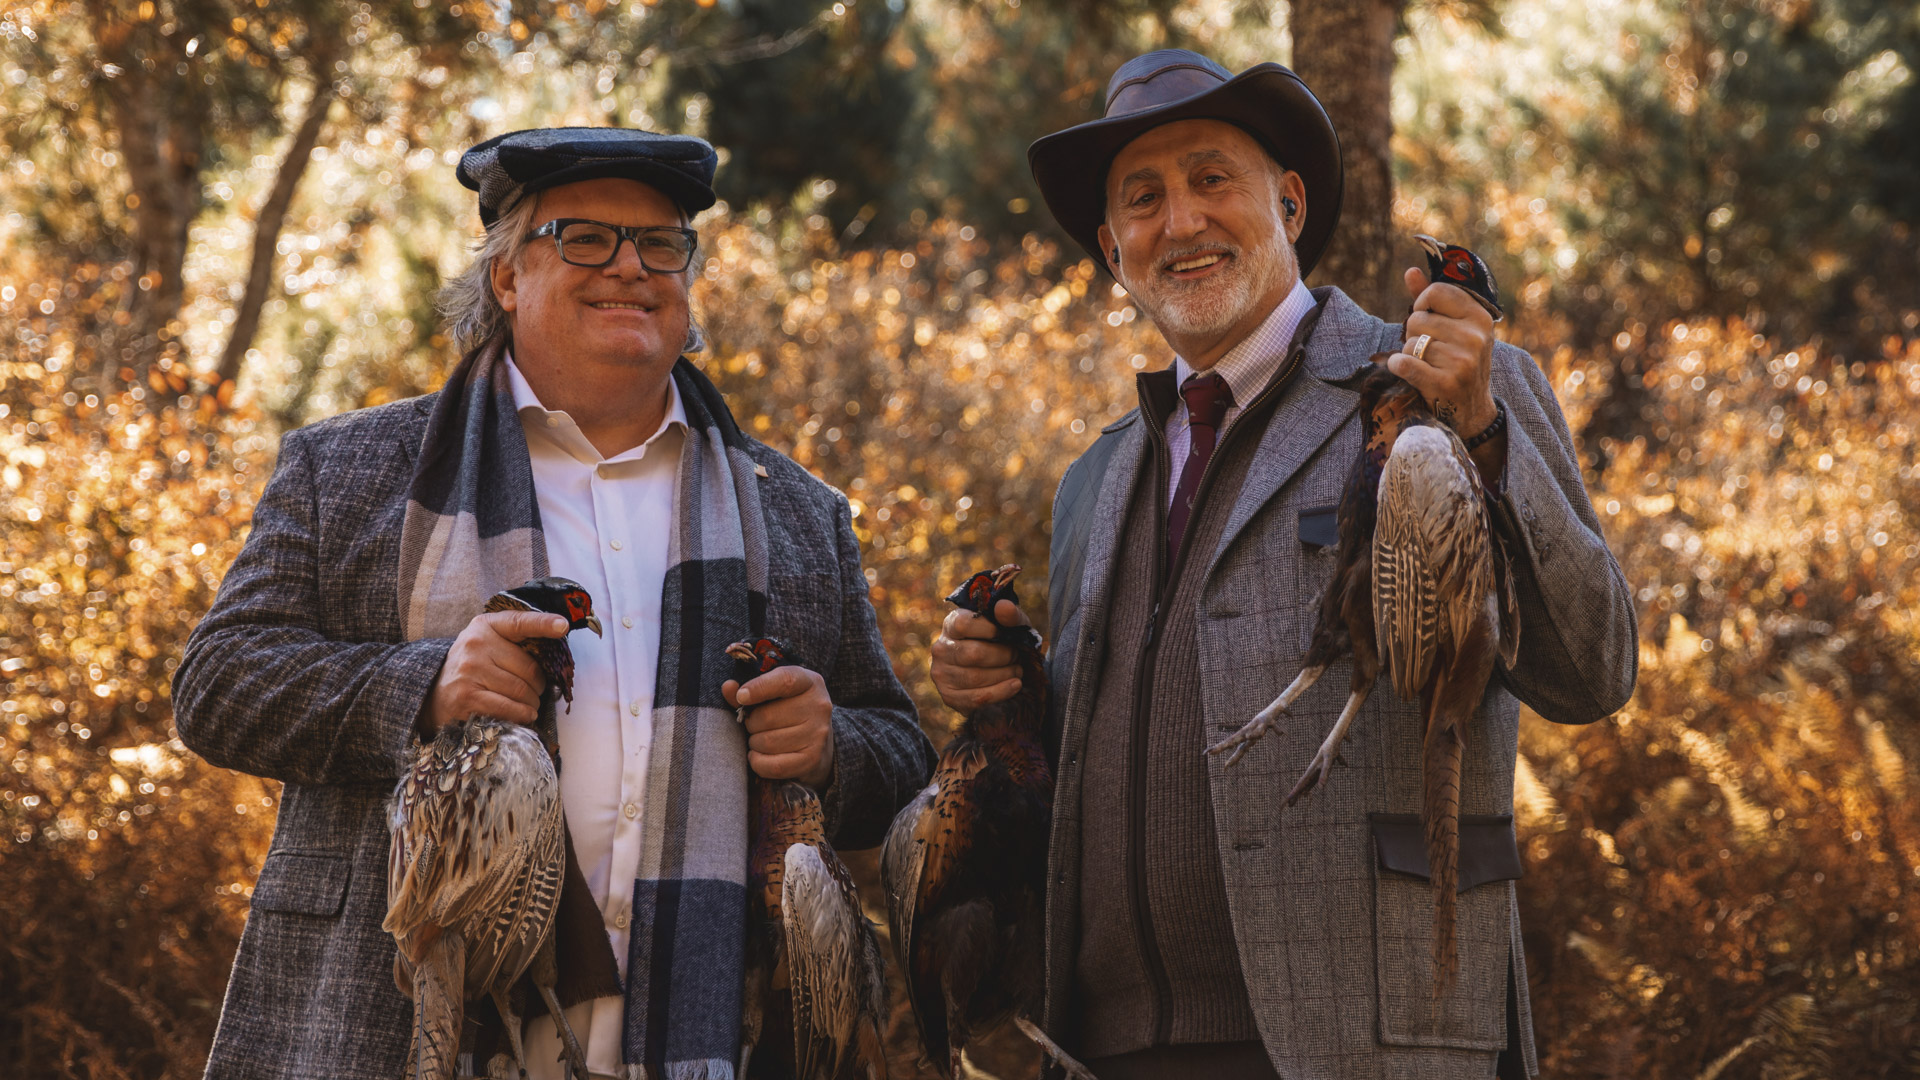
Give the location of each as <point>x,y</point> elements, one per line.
<point>573,438</point>
<point>1195,924</point>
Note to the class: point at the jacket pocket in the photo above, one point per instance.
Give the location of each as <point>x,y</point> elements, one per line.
<point>1318,529</point>
<point>302,883</point>
<point>1473,1015</point>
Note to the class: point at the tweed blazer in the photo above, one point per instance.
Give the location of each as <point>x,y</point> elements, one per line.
<point>1334,944</point>
<point>300,673</point>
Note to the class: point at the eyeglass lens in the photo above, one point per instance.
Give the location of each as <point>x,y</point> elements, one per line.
<point>587,243</point>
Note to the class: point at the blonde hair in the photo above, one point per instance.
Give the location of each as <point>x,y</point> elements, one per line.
<point>472,312</point>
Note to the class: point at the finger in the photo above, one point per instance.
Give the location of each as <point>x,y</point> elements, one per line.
<point>978,654</point>
<point>973,678</point>
<point>967,624</point>
<point>785,713</point>
<point>779,766</point>
<point>507,656</point>
<point>729,690</point>
<point>510,684</point>
<point>969,700</point>
<point>1451,301</point>
<point>1418,373</point>
<point>518,626</point>
<point>779,683</point>
<point>488,703</point>
<point>792,739</point>
<point>1009,614</point>
<point>1416,279</point>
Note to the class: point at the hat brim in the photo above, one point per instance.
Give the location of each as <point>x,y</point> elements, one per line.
<point>1266,100</point>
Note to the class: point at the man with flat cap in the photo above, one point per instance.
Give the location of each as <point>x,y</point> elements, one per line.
<point>573,438</point>
<point>1195,924</point>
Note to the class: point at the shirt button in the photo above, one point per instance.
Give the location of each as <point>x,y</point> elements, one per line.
<point>616,545</point>
<point>553,421</point>
<point>600,471</point>
<point>620,921</point>
<point>635,710</point>
<point>631,810</point>
<point>627,622</point>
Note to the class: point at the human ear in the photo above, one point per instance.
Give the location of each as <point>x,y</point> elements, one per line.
<point>505,281</point>
<point>1295,218</point>
<point>1110,250</point>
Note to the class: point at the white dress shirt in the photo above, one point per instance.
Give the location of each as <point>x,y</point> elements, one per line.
<point>607,522</point>
<point>1247,367</point>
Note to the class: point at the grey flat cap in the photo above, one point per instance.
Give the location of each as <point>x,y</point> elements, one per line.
<point>507,168</point>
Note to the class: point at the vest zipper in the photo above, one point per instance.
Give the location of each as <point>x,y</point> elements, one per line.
<point>1165,579</point>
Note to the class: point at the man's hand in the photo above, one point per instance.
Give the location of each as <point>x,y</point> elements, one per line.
<point>1455,372</point>
<point>970,671</point>
<point>790,725</point>
<point>488,673</point>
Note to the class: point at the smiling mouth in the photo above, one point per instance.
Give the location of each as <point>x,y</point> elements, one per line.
<point>1196,262</point>
<point>618,305</point>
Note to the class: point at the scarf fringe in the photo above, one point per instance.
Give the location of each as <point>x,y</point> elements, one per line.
<point>707,1069</point>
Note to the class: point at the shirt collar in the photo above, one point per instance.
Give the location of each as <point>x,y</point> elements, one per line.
<point>1248,365</point>
<point>561,429</point>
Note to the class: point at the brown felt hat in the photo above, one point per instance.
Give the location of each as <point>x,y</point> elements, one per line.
<point>1268,101</point>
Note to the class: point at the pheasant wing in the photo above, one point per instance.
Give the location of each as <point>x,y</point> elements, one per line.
<point>1431,565</point>
<point>467,820</point>
<point>926,846</point>
<point>827,953</point>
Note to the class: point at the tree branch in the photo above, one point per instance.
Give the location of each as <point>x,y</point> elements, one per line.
<point>272,217</point>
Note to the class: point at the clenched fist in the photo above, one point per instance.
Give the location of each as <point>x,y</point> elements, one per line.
<point>789,724</point>
<point>488,673</point>
<point>969,668</point>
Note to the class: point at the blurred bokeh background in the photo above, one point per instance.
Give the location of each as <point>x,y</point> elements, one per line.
<point>221,219</point>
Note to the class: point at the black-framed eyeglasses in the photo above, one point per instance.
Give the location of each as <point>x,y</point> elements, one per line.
<point>664,249</point>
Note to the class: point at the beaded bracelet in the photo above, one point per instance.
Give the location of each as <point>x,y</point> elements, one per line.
<point>1491,431</point>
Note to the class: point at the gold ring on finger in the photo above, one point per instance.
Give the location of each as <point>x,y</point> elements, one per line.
<point>1419,350</point>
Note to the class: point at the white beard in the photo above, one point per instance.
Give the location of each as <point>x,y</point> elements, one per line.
<point>1204,308</point>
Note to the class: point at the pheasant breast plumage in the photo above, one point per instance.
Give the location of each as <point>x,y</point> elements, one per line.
<point>478,859</point>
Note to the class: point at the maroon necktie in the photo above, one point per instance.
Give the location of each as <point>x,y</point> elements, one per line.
<point>1208,399</point>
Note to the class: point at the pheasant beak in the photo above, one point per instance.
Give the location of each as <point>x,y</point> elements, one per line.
<point>1432,245</point>
<point>593,624</point>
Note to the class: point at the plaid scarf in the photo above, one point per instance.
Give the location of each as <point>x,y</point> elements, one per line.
<point>472,528</point>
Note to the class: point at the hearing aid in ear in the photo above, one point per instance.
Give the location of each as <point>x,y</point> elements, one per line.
<point>1292,207</point>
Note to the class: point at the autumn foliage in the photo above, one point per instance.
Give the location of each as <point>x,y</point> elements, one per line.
<point>1721,879</point>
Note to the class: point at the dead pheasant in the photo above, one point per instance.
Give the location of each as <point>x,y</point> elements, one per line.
<point>478,858</point>
<point>803,912</point>
<point>1422,588</point>
<point>965,863</point>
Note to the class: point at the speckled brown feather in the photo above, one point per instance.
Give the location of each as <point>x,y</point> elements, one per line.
<point>965,862</point>
<point>803,911</point>
<point>1435,616</point>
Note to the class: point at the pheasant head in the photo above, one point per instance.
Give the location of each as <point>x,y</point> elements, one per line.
<point>983,591</point>
<point>1456,265</point>
<point>555,596</point>
<point>757,656</point>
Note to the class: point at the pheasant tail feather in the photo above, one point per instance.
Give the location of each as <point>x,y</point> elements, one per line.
<point>439,987</point>
<point>1440,811</point>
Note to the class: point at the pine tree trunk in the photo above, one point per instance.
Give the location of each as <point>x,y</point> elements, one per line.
<point>1343,49</point>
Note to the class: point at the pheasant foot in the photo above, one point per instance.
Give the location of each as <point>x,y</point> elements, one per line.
<point>1060,1057</point>
<point>1321,768</point>
<point>1266,719</point>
